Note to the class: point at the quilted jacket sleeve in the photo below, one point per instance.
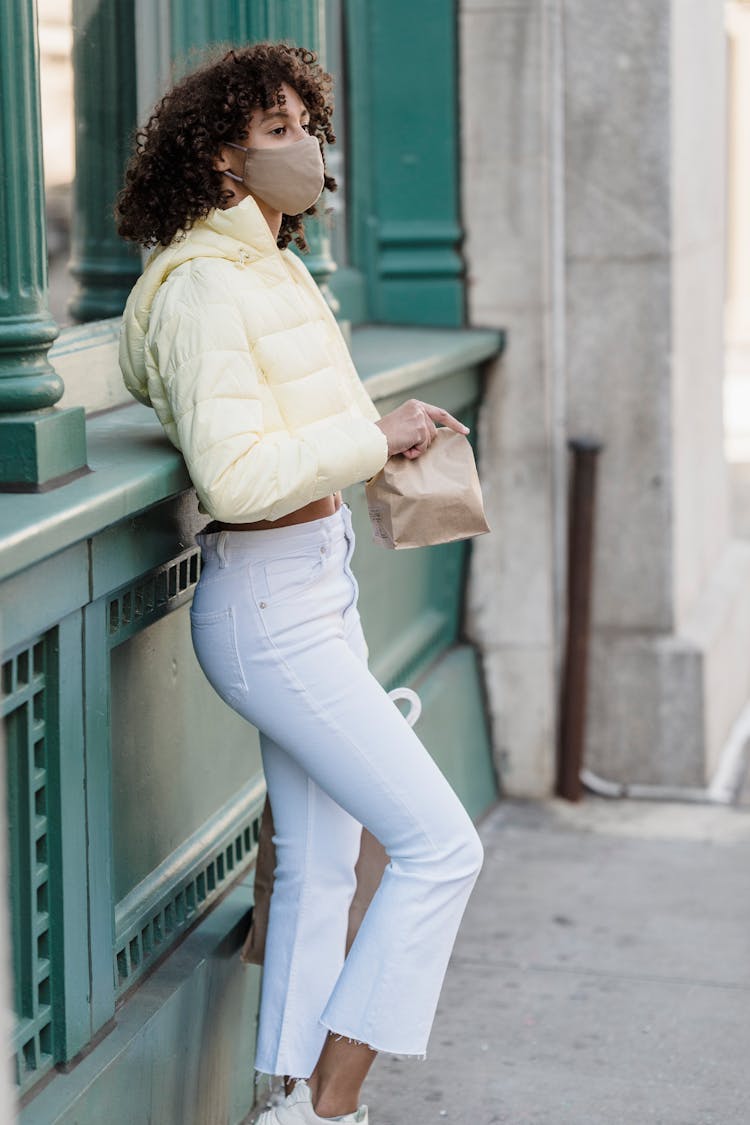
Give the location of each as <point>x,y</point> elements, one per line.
<point>215,393</point>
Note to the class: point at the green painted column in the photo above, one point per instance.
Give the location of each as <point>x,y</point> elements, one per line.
<point>194,24</point>
<point>38,442</point>
<point>104,265</point>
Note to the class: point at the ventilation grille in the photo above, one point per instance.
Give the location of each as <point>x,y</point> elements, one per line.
<point>143,943</point>
<point>159,592</point>
<point>24,707</point>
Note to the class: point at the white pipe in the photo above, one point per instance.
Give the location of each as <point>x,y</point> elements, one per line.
<point>722,790</point>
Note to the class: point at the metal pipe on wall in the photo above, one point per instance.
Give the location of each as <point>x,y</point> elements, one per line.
<point>574,679</point>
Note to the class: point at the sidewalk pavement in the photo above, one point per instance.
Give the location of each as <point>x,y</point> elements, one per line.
<point>601,975</point>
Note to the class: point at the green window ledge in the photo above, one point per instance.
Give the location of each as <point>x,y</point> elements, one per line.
<point>134,466</point>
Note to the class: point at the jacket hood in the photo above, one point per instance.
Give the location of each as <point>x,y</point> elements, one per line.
<point>240,234</point>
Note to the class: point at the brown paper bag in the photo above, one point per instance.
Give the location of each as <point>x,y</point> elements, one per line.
<point>254,948</point>
<point>436,498</point>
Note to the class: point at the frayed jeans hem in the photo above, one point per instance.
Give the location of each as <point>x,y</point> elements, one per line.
<point>403,1055</point>
<point>421,1056</point>
<point>275,1074</point>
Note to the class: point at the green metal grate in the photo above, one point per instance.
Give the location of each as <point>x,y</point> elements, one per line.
<point>141,942</point>
<point>24,707</point>
<point>158,911</point>
<point>152,596</point>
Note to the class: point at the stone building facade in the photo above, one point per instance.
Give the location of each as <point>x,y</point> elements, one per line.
<point>594,195</point>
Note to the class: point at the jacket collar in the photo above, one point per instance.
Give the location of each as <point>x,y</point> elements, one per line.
<point>241,227</point>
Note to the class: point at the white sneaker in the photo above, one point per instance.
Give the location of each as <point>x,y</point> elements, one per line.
<point>297,1109</point>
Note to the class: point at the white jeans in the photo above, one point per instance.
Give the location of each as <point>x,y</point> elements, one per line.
<point>276,630</point>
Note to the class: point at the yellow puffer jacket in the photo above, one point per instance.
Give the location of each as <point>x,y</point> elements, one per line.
<point>231,342</point>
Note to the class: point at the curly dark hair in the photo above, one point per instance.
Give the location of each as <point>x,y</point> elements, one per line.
<point>170,181</point>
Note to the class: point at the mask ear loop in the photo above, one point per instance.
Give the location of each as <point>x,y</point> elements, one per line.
<point>233,175</point>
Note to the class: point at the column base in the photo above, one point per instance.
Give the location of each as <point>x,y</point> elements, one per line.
<point>661,706</point>
<point>518,680</point>
<point>42,449</point>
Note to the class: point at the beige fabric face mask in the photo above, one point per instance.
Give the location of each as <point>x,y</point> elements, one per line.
<point>288,178</point>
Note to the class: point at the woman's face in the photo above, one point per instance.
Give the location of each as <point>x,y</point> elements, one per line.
<point>281,124</point>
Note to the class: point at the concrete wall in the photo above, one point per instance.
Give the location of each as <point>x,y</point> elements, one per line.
<point>594,183</point>
<point>617,266</point>
<point>512,191</point>
<point>738,273</point>
<point>698,207</point>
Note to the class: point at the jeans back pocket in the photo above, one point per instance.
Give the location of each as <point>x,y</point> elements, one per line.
<point>215,644</point>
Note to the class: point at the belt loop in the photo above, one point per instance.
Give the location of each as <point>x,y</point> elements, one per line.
<point>221,550</point>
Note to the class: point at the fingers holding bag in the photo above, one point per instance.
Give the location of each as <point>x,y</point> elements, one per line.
<point>433,498</point>
<point>412,427</point>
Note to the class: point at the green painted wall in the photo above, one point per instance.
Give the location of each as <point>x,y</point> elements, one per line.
<point>126,834</point>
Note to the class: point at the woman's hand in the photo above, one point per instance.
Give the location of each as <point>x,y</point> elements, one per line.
<point>411,428</point>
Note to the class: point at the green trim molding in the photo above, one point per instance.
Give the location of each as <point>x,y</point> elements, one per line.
<point>403,159</point>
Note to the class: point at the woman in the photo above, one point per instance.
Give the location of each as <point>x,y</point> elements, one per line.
<point>227,336</point>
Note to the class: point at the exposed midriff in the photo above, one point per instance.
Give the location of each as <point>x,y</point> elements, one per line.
<point>315,510</point>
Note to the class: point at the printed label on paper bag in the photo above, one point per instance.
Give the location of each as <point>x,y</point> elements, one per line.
<point>378,522</point>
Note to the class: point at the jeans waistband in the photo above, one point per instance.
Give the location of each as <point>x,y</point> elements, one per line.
<point>226,545</point>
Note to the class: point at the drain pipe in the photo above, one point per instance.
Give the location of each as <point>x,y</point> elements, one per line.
<point>734,760</point>
<point>580,552</point>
